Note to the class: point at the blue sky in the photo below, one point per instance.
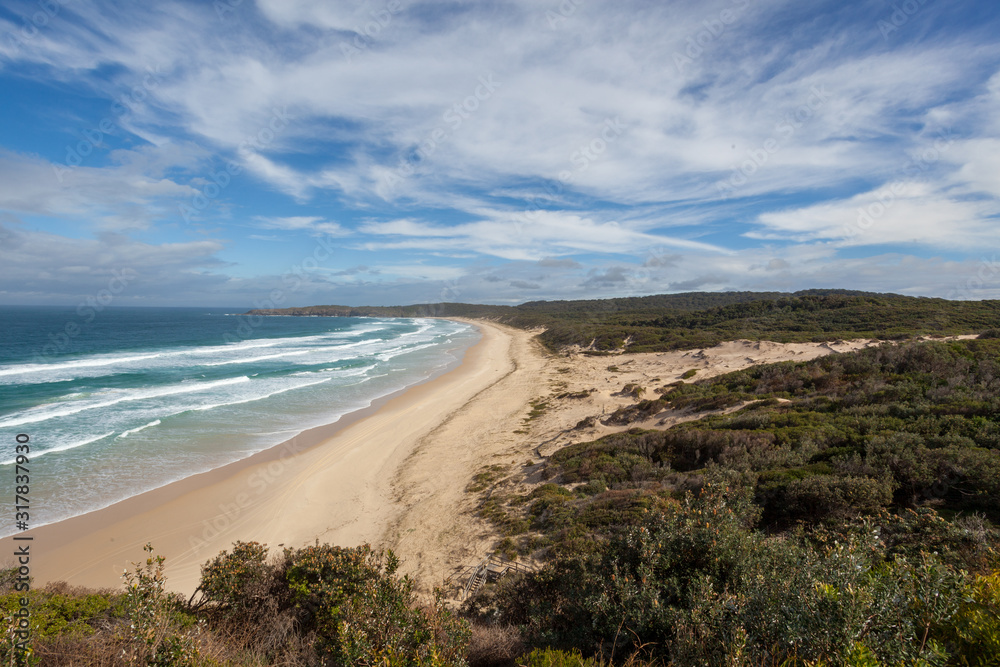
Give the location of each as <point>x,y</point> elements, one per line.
<point>294,152</point>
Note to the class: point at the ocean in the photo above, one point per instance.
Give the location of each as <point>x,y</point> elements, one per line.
<point>123,400</point>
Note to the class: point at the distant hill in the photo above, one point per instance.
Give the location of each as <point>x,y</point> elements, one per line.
<point>702,319</point>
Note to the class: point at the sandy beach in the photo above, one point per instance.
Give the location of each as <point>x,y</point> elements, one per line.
<point>338,489</point>
<point>395,475</point>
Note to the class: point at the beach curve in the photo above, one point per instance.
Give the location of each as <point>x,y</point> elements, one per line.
<point>336,484</point>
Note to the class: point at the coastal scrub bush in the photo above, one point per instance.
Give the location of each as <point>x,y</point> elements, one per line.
<point>823,497</point>
<point>158,632</point>
<point>556,658</point>
<point>697,584</point>
<point>973,632</point>
<point>64,613</point>
<point>238,584</point>
<point>363,614</point>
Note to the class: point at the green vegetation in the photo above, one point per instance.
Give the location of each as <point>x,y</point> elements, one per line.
<point>696,584</point>
<point>704,319</point>
<point>320,605</point>
<point>852,522</point>
<point>837,512</point>
<point>538,408</point>
<point>631,389</point>
<point>486,477</point>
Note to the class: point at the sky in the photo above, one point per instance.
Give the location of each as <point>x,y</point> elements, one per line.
<point>272,153</point>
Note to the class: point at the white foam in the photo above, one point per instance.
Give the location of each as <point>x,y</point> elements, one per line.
<point>397,351</point>
<point>426,327</point>
<point>294,353</point>
<point>36,416</point>
<point>61,448</point>
<point>341,372</point>
<point>129,432</point>
<point>212,406</point>
<point>105,364</point>
<point>69,365</point>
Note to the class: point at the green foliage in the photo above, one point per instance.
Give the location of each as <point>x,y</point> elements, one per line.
<point>241,585</point>
<point>55,613</point>
<point>154,634</point>
<point>667,322</point>
<point>485,477</point>
<point>823,497</point>
<point>973,632</point>
<point>363,614</point>
<point>555,658</point>
<point>703,319</point>
<point>633,390</point>
<point>894,427</point>
<point>699,585</point>
<point>319,605</point>
<point>877,479</point>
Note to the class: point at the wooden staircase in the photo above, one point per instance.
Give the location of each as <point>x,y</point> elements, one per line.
<point>491,568</point>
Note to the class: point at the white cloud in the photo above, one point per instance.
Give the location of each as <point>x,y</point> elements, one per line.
<point>518,237</point>
<point>900,212</point>
<point>312,224</point>
<point>39,266</point>
<point>842,113</point>
<point>130,195</point>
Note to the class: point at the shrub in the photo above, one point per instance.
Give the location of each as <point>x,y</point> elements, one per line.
<point>973,633</point>
<point>155,634</point>
<point>240,583</point>
<point>700,586</point>
<point>494,645</point>
<point>818,498</point>
<point>363,614</point>
<point>555,658</point>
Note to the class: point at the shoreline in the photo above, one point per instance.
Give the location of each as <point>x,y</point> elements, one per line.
<point>395,475</point>
<point>330,483</point>
<point>305,439</point>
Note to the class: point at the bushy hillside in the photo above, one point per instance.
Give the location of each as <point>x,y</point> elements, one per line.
<point>704,319</point>
<point>845,514</point>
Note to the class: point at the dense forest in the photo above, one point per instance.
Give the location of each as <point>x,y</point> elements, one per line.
<point>838,511</point>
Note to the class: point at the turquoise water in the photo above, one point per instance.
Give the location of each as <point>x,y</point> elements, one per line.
<point>124,400</point>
